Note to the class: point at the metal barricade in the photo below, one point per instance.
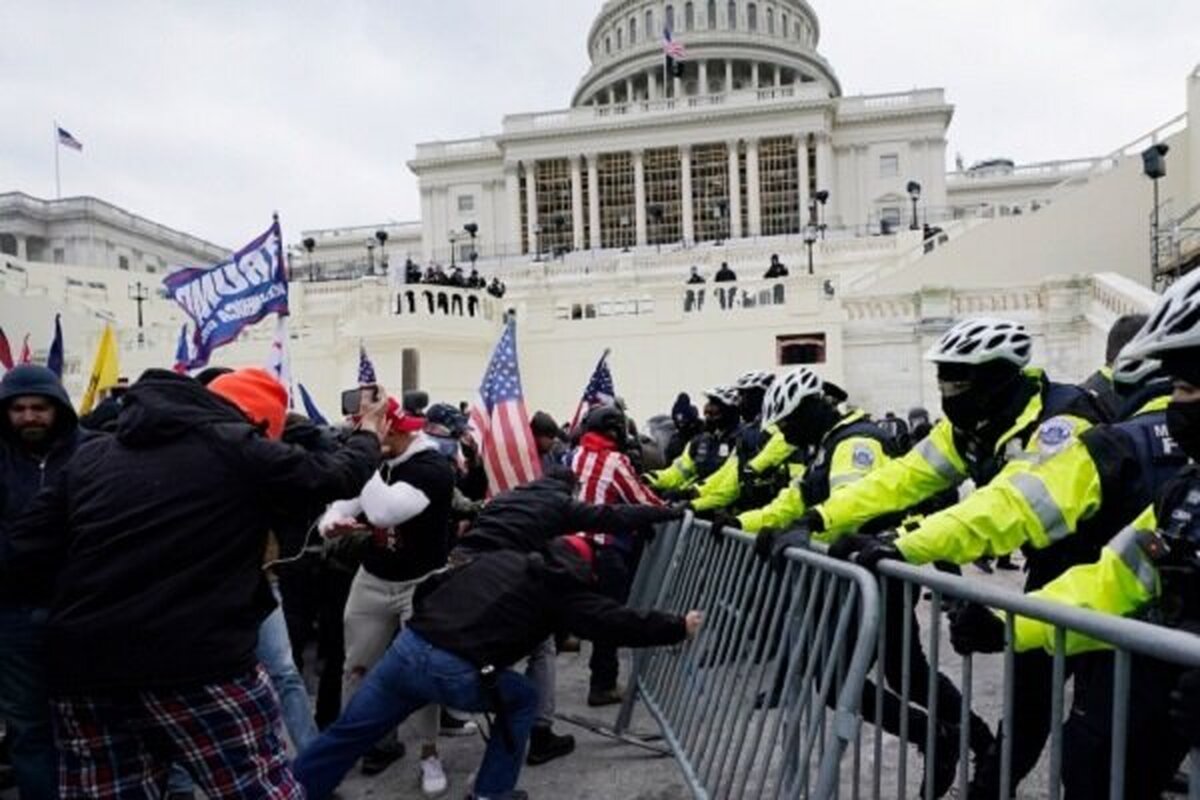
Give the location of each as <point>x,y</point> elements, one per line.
<point>764,702</point>
<point>928,726</point>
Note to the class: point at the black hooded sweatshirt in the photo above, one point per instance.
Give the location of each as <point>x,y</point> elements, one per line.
<point>153,539</point>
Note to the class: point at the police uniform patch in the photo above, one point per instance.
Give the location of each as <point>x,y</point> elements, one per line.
<point>863,457</point>
<point>1053,435</point>
<point>723,451</point>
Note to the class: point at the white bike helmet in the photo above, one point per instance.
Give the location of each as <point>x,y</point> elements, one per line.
<point>1132,371</point>
<point>723,395</point>
<point>758,379</point>
<point>786,394</point>
<point>1174,323</point>
<point>981,341</point>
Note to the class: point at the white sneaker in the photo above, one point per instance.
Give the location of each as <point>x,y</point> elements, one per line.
<point>433,777</point>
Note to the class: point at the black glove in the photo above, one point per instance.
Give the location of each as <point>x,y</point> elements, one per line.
<point>720,522</point>
<point>797,537</point>
<point>975,629</point>
<point>866,551</point>
<point>679,495</point>
<point>764,541</point>
<point>1185,707</point>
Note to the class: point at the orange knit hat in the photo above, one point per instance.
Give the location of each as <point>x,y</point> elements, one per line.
<point>258,394</point>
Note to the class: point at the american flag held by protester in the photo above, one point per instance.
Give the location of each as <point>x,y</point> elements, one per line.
<point>599,391</point>
<point>501,421</point>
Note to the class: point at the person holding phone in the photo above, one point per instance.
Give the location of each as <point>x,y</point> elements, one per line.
<point>404,511</point>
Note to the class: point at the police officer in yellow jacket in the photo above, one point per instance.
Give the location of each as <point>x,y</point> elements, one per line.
<point>1151,569</point>
<point>707,451</point>
<point>1061,503</point>
<point>1000,415</point>
<point>762,461</point>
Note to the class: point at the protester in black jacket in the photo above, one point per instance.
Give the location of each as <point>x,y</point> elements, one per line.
<point>39,433</point>
<point>471,623</point>
<point>153,540</point>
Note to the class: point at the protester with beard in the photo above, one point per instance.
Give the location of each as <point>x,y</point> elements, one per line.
<point>152,540</point>
<point>39,433</point>
<point>1149,570</point>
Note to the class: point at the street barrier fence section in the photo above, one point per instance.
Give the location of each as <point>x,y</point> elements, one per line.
<point>769,700</point>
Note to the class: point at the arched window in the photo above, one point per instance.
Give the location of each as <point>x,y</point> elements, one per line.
<point>752,16</point>
<point>799,33</point>
<point>608,45</point>
<point>733,15</point>
<point>669,20</point>
<point>620,38</point>
<point>771,21</point>
<point>649,23</point>
<point>783,24</point>
<point>689,17</point>
<point>632,30</point>
<point>712,15</point>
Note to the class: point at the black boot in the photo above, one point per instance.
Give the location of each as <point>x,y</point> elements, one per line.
<point>545,745</point>
<point>946,767</point>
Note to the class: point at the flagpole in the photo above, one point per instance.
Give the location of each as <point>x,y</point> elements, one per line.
<point>57,177</point>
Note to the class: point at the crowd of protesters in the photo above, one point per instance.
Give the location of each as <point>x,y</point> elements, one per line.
<point>168,563</point>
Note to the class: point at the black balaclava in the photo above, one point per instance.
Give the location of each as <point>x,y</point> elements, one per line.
<point>1183,419</point>
<point>983,396</point>
<point>808,424</point>
<point>722,417</point>
<point>750,403</point>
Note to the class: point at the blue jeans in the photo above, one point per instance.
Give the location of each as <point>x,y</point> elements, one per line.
<point>25,702</point>
<point>412,674</point>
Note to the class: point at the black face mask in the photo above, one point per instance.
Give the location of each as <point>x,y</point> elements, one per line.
<point>1183,422</point>
<point>807,426</point>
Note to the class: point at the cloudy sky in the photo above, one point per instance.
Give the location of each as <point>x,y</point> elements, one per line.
<point>207,115</point>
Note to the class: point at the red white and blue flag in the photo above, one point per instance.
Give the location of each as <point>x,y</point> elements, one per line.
<point>67,140</point>
<point>598,392</point>
<point>674,50</point>
<point>501,422</point>
<point>366,370</point>
<point>183,354</point>
<point>6,358</point>
<point>278,362</point>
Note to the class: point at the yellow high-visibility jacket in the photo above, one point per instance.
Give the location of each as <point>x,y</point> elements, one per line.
<point>935,464</point>
<point>852,459</point>
<point>722,488</point>
<point>1039,499</point>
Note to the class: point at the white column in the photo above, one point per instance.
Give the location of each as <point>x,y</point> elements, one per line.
<point>685,191</point>
<point>753,198</point>
<point>531,217</point>
<point>824,162</point>
<point>609,95</point>
<point>703,77</point>
<point>802,177</point>
<point>629,90</point>
<point>754,74</point>
<point>512,185</point>
<point>652,84</point>
<point>22,248</point>
<point>593,201</point>
<point>577,222</point>
<point>678,88</point>
<point>729,75</point>
<point>639,195</point>
<point>735,192</point>
<point>778,76</point>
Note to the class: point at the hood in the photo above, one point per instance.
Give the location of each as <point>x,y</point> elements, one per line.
<point>163,405</point>
<point>31,379</point>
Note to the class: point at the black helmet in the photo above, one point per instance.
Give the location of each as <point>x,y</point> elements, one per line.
<point>607,421</point>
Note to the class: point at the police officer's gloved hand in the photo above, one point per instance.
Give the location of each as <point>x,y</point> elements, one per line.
<point>722,521</point>
<point>866,551</point>
<point>975,629</point>
<point>796,537</point>
<point>1185,707</point>
<point>680,495</point>
<point>764,542</point>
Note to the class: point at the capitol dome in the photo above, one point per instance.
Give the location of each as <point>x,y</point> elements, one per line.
<point>731,44</point>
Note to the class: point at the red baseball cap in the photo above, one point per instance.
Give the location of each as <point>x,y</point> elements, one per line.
<point>582,547</point>
<point>400,420</point>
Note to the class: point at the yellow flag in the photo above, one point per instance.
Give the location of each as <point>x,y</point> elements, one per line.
<point>104,370</point>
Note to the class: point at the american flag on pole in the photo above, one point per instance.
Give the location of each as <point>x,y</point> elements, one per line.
<point>674,50</point>
<point>183,355</point>
<point>278,362</point>
<point>366,370</point>
<point>501,422</point>
<point>599,391</point>
<point>67,140</point>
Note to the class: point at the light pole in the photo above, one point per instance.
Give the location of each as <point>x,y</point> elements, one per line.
<point>625,222</point>
<point>822,198</point>
<point>1154,165</point>
<point>656,212</point>
<point>381,236</point>
<point>810,239</point>
<point>310,244</point>
<point>370,256</point>
<point>914,194</point>
<point>719,211</point>
<point>537,242</point>
<point>453,255</point>
<point>472,230</point>
<point>139,294</point>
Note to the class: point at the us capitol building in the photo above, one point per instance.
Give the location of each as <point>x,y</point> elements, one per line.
<point>595,214</point>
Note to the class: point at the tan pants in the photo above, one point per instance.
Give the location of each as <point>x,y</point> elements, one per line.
<point>374,613</point>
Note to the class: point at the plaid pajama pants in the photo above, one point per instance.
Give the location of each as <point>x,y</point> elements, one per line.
<point>226,735</point>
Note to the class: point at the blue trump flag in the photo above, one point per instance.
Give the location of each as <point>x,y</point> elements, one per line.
<point>225,298</point>
<point>311,409</point>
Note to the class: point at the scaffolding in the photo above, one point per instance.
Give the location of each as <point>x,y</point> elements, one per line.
<point>710,191</point>
<point>663,200</point>
<point>779,186</point>
<point>617,200</point>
